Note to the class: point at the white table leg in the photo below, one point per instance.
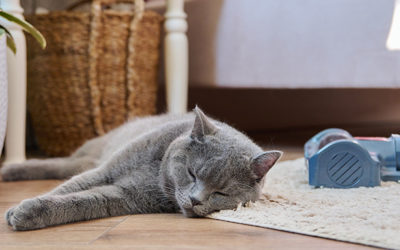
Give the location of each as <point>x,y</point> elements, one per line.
<point>176,57</point>
<point>15,135</point>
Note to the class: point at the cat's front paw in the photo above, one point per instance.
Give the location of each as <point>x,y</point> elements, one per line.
<point>27,215</point>
<point>9,214</point>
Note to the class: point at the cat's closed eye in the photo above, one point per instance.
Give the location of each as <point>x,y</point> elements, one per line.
<point>221,194</point>
<point>191,174</point>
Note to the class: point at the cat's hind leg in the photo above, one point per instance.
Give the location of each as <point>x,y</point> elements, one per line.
<point>52,168</point>
<point>82,159</point>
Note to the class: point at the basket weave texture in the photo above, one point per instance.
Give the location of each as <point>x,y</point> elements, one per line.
<point>99,70</point>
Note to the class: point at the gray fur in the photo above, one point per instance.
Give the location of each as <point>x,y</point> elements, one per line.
<point>160,164</point>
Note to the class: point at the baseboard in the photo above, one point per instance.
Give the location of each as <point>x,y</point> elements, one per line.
<point>278,110</point>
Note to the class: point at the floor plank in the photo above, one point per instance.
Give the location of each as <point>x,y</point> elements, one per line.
<point>160,231</point>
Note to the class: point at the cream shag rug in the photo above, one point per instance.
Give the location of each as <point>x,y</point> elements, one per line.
<point>363,215</point>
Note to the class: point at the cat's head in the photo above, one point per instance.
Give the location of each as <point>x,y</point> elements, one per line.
<point>214,167</point>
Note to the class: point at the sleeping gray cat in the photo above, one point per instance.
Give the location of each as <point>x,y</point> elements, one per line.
<point>161,164</point>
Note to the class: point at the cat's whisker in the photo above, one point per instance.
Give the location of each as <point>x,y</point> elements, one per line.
<point>246,186</point>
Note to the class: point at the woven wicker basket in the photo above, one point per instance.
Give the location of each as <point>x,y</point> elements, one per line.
<point>100,69</point>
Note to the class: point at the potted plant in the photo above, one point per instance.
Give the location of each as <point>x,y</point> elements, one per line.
<point>6,40</point>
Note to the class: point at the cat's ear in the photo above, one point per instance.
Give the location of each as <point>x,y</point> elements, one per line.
<point>202,125</point>
<point>263,162</point>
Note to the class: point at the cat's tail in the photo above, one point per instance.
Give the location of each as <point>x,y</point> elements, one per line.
<point>53,168</point>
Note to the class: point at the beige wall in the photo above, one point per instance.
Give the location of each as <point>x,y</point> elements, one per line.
<point>291,43</point>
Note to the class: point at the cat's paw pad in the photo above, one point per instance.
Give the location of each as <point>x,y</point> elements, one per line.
<point>26,216</point>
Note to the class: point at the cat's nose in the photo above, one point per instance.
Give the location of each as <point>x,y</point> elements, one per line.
<point>195,202</point>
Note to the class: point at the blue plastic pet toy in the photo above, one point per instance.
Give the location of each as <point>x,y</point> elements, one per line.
<point>335,159</point>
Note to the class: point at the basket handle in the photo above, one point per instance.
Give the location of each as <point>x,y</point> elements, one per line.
<point>96,10</point>
<point>138,3</point>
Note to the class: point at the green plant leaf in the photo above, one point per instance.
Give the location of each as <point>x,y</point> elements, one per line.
<point>5,30</point>
<point>11,44</point>
<point>2,32</point>
<point>10,39</point>
<point>26,26</point>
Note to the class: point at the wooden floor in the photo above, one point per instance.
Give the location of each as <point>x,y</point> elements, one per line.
<point>153,231</point>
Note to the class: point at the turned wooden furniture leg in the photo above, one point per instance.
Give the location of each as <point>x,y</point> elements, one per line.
<point>176,57</point>
<point>15,135</point>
